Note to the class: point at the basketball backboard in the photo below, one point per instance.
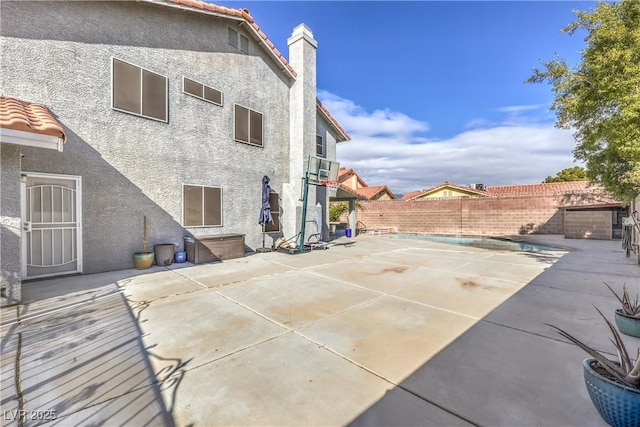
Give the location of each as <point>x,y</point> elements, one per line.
<point>319,169</point>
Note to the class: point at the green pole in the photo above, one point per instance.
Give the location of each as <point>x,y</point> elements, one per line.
<point>304,212</point>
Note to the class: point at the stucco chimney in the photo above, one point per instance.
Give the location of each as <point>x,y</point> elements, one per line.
<point>302,111</point>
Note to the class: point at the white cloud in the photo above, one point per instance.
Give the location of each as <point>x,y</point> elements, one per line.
<point>389,147</point>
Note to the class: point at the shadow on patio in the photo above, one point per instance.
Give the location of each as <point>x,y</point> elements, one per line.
<point>80,359</point>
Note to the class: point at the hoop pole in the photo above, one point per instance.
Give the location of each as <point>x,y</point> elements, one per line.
<point>303,224</point>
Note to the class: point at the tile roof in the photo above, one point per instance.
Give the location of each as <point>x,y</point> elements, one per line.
<point>342,133</point>
<point>465,188</point>
<point>350,191</point>
<point>28,117</point>
<point>412,194</point>
<point>344,172</point>
<point>544,188</point>
<point>243,14</point>
<point>515,189</point>
<point>371,192</point>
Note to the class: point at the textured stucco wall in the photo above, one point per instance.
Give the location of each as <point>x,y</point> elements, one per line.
<point>131,166</point>
<point>302,96</point>
<point>10,217</point>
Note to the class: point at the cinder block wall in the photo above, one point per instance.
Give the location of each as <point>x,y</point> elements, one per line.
<point>497,216</point>
<point>588,225</point>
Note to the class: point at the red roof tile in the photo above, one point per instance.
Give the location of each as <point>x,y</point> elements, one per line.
<point>198,6</point>
<point>544,188</point>
<point>371,192</point>
<point>28,117</point>
<point>512,190</point>
<point>344,172</point>
<point>414,194</point>
<point>343,134</point>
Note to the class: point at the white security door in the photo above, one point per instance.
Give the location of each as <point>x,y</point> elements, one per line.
<point>51,225</point>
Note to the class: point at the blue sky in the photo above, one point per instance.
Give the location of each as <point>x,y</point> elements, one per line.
<point>434,91</point>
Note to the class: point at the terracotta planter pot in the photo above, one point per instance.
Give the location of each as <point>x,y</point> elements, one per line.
<point>618,404</point>
<point>143,260</point>
<point>627,325</point>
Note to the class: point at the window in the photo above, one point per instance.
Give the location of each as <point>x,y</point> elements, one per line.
<point>247,125</point>
<point>201,206</point>
<point>233,38</point>
<point>244,44</point>
<point>274,201</point>
<point>238,41</point>
<point>139,91</point>
<point>448,193</point>
<point>206,93</point>
<point>319,146</point>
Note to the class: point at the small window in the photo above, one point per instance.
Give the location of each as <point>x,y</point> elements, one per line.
<point>244,44</point>
<point>248,126</point>
<point>139,91</point>
<point>319,146</point>
<point>233,38</point>
<point>238,41</point>
<point>201,206</point>
<point>201,91</point>
<point>274,201</point>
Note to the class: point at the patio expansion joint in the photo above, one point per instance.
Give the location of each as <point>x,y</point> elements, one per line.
<point>382,377</point>
<point>381,294</point>
<point>540,335</point>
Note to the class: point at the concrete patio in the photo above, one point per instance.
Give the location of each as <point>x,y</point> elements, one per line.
<point>374,331</point>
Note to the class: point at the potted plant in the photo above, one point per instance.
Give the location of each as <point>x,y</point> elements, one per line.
<point>614,387</point>
<point>143,260</point>
<point>628,315</point>
<point>335,212</point>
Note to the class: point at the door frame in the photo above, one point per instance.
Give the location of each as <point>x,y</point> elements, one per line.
<point>23,215</point>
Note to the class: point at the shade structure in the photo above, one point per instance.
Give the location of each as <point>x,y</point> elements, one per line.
<point>265,210</point>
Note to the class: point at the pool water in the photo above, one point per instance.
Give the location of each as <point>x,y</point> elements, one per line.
<point>480,242</point>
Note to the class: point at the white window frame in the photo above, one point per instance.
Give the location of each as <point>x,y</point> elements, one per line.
<point>221,205</point>
<point>203,98</point>
<point>166,92</point>
<point>249,125</point>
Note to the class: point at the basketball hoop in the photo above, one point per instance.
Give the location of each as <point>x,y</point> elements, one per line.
<point>332,186</point>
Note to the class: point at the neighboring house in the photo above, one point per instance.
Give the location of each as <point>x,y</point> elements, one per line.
<point>169,109</point>
<point>447,190</point>
<point>579,209</point>
<point>350,179</point>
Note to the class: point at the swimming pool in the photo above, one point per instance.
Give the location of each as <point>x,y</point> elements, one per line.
<point>480,242</point>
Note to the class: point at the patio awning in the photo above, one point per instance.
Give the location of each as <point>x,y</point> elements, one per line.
<point>344,194</point>
<point>33,125</point>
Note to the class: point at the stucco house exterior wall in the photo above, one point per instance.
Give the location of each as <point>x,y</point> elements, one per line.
<point>10,268</point>
<point>132,166</point>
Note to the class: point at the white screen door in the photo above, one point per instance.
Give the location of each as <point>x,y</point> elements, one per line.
<point>51,225</point>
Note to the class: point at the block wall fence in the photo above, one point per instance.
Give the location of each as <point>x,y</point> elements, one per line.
<point>482,216</point>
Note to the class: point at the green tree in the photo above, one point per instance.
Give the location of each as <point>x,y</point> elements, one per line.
<point>600,98</point>
<point>575,173</point>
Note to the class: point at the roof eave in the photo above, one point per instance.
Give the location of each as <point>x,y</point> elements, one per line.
<point>342,135</point>
<point>32,139</point>
<point>241,19</point>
